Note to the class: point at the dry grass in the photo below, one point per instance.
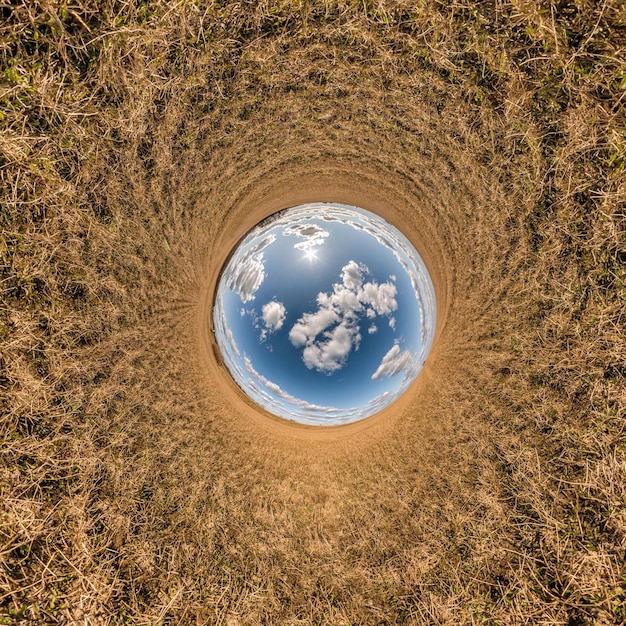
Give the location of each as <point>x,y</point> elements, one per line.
<point>134,135</point>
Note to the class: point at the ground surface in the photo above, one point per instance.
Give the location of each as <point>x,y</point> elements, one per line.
<point>139,141</point>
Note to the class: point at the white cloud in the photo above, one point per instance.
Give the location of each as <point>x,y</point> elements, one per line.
<point>372,329</point>
<point>273,315</point>
<point>312,234</point>
<point>246,271</point>
<point>328,335</point>
<point>231,340</point>
<point>312,324</point>
<point>351,276</point>
<point>382,298</point>
<point>281,393</point>
<point>330,355</point>
<point>395,362</point>
<point>247,278</point>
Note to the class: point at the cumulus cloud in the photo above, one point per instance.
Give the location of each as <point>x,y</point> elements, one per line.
<point>351,275</point>
<point>382,298</point>
<point>396,361</point>
<point>372,329</point>
<point>312,324</point>
<point>329,334</point>
<point>246,271</point>
<point>273,315</point>
<point>330,354</point>
<point>247,280</point>
<point>312,234</point>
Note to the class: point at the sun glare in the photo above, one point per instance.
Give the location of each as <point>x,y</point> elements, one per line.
<point>310,255</point>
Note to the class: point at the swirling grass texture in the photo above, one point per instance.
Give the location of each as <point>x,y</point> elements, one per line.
<point>140,141</point>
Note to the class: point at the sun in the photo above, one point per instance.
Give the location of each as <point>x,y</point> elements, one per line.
<point>310,255</point>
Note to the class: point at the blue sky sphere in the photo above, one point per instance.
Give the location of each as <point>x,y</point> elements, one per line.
<point>324,314</point>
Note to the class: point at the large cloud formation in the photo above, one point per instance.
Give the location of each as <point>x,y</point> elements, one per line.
<point>328,335</point>
<point>399,246</point>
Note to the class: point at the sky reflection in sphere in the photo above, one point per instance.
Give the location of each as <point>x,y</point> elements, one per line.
<point>324,314</point>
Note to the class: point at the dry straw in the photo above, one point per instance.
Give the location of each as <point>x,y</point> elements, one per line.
<point>137,137</point>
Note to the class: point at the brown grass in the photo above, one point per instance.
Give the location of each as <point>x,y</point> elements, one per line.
<point>138,139</point>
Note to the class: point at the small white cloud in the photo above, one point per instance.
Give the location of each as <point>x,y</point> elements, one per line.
<point>392,323</point>
<point>273,315</point>
<point>396,361</point>
<point>372,329</point>
<point>308,244</point>
<point>351,276</point>
<point>273,387</point>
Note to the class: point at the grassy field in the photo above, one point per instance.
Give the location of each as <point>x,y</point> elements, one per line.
<point>137,137</point>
